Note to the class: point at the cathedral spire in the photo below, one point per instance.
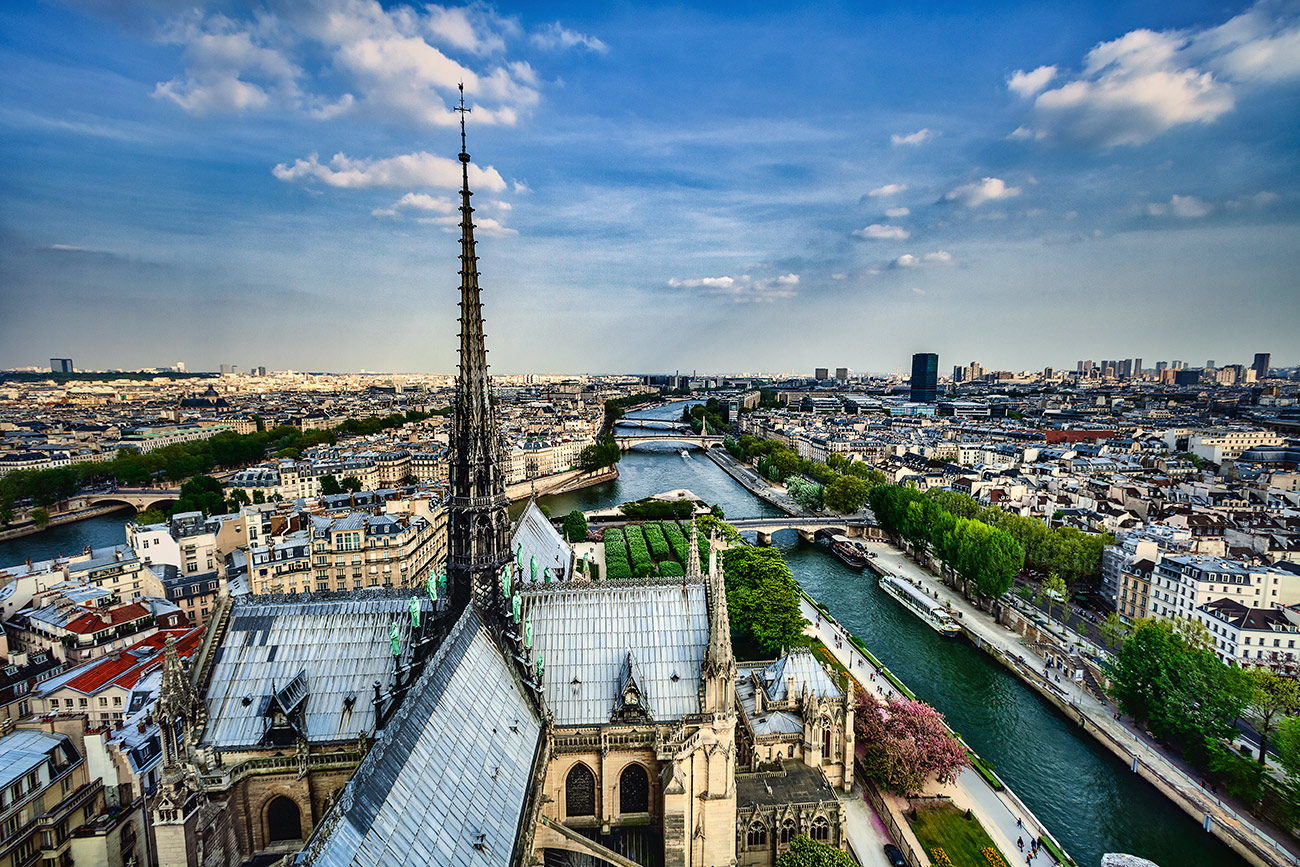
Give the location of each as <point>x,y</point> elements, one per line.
<point>478,524</point>
<point>719,661</point>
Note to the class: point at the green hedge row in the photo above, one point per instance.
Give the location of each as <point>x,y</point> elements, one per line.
<point>670,569</point>
<point>637,551</point>
<point>676,539</point>
<point>654,537</point>
<point>616,562</point>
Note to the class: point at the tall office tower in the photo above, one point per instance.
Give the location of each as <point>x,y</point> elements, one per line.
<point>1209,365</point>
<point>61,365</point>
<point>958,373</point>
<point>1079,366</point>
<point>1176,364</point>
<point>1137,367</point>
<point>925,377</point>
<point>842,374</point>
<point>478,530</point>
<point>1125,367</point>
<point>1261,364</point>
<point>821,374</point>
<point>1161,365</point>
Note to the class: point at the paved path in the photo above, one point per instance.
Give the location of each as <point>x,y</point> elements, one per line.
<point>867,833</point>
<point>997,812</point>
<point>1098,715</point>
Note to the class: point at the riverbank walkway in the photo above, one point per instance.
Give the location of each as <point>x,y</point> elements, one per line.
<point>1091,711</point>
<point>1002,814</point>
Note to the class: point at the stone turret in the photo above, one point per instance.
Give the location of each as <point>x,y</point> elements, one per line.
<point>719,669</point>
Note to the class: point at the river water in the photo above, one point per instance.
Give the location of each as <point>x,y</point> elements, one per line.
<point>1090,800</point>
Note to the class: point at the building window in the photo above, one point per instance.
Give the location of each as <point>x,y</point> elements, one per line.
<point>634,790</point>
<point>580,792</point>
<point>757,835</point>
<point>821,830</point>
<point>787,831</point>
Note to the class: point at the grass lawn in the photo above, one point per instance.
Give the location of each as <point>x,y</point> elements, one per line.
<point>961,839</point>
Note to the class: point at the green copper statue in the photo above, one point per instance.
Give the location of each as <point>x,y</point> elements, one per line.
<point>395,636</point>
<point>505,580</point>
<point>517,604</point>
<point>532,568</point>
<point>528,632</point>
<point>415,612</point>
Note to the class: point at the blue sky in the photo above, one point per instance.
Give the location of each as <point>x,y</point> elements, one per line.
<point>730,187</point>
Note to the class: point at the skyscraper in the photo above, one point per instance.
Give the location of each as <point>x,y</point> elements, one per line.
<point>64,365</point>
<point>1261,364</point>
<point>821,374</point>
<point>925,377</point>
<point>842,374</point>
<point>478,527</point>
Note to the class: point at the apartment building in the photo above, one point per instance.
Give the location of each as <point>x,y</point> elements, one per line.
<point>1249,635</point>
<point>1181,583</point>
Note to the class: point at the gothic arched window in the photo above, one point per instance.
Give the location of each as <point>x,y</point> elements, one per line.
<point>634,790</point>
<point>787,831</point>
<point>580,792</point>
<point>821,831</point>
<point>757,835</point>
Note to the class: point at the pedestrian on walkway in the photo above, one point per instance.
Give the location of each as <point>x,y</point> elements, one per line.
<point>1020,823</point>
<point>1020,843</point>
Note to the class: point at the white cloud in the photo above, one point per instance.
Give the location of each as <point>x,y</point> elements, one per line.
<point>881,232</point>
<point>1145,83</point>
<point>921,136</point>
<point>743,288</point>
<point>418,202</point>
<point>907,260</point>
<point>1187,207</point>
<point>976,193</point>
<point>888,190</point>
<point>1029,83</point>
<point>1257,200</point>
<point>382,62</point>
<point>917,290</point>
<point>897,212</point>
<point>419,169</point>
<point>557,37</point>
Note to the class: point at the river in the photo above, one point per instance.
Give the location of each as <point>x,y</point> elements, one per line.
<point>1088,798</point>
<point>1091,801</point>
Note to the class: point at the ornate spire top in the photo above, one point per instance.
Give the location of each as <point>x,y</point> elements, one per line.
<point>464,157</point>
<point>478,525</point>
<point>693,552</point>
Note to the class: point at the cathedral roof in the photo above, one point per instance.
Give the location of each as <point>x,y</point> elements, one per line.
<point>584,632</point>
<point>448,780</point>
<point>801,666</point>
<point>535,537</point>
<point>339,647</point>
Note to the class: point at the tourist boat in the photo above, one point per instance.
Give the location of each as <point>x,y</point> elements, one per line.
<point>850,553</point>
<point>928,609</point>
<point>684,453</point>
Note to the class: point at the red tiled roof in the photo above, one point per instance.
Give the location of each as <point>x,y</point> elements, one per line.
<point>90,623</point>
<point>126,669</point>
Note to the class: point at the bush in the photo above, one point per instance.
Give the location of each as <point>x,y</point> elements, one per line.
<point>575,526</point>
<point>670,569</point>
<point>637,551</point>
<point>654,537</point>
<point>676,539</point>
<point>649,508</point>
<point>616,562</point>
<point>647,570</point>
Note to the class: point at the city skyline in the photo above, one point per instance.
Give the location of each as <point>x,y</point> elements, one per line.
<point>278,186</point>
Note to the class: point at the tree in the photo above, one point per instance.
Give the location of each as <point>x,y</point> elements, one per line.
<point>330,486</point>
<point>351,484</point>
<point>1287,744</point>
<point>1177,685</point>
<point>1054,589</point>
<point>846,494</point>
<point>605,453</point>
<point>1114,631</point>
<point>290,452</point>
<point>904,743</point>
<point>201,494</point>
<point>238,498</point>
<point>40,518</point>
<point>807,852</point>
<point>1272,698</point>
<point>575,526</point>
<point>259,497</point>
<point>807,494</point>
<point>150,516</point>
<point>763,598</point>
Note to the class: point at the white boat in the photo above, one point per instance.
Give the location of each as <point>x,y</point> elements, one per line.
<point>684,453</point>
<point>928,609</point>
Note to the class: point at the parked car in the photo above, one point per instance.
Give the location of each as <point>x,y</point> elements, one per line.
<point>895,855</point>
